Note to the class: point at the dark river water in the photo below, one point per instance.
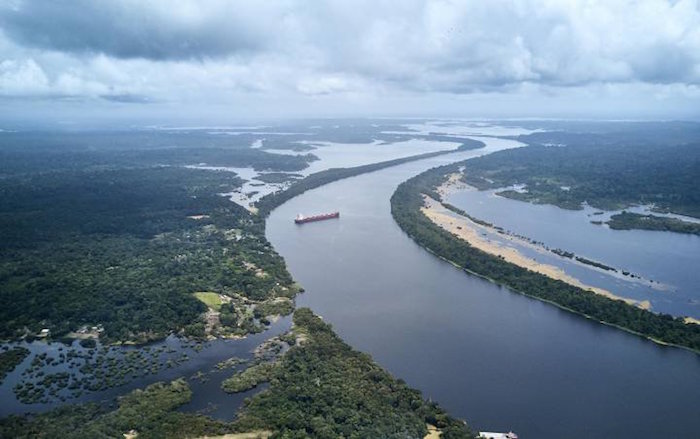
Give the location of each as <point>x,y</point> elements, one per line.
<point>497,359</point>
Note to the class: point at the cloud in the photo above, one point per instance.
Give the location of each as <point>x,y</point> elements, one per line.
<point>127,98</point>
<point>154,29</point>
<point>237,52</point>
<point>22,77</point>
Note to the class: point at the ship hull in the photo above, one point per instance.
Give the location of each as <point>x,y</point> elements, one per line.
<point>315,218</point>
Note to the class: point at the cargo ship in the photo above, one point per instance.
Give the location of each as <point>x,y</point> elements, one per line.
<point>301,219</point>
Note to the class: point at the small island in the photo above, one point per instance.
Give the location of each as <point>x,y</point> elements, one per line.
<point>630,220</point>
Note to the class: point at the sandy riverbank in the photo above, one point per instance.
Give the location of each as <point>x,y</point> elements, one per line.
<point>469,231</point>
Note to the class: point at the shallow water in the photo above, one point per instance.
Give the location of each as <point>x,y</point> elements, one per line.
<point>667,258</point>
<point>207,395</point>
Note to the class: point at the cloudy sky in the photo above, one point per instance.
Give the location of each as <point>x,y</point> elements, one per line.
<point>227,60</point>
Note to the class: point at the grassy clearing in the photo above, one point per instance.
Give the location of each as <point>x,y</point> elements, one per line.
<point>212,300</point>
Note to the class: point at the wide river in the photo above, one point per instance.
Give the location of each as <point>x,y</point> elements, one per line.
<point>497,359</point>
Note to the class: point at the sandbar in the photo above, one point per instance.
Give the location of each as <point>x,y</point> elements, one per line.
<point>469,231</point>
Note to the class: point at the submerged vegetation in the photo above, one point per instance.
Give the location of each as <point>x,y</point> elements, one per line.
<point>148,413</point>
<point>405,206</point>
<point>248,378</point>
<point>72,371</point>
<point>10,358</point>
<point>319,388</point>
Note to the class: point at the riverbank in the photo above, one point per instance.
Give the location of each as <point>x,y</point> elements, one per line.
<point>314,378</point>
<point>471,232</point>
<point>406,204</point>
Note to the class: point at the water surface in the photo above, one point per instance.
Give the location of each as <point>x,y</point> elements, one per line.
<point>500,360</point>
<point>667,258</point>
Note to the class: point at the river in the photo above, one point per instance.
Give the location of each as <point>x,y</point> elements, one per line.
<point>669,259</point>
<point>497,359</point>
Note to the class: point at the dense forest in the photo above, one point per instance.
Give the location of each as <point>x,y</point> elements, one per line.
<point>126,249</point>
<point>606,175</point>
<point>630,220</point>
<point>405,206</point>
<point>613,133</point>
<point>30,152</point>
<point>24,152</point>
<point>323,388</point>
<point>320,388</point>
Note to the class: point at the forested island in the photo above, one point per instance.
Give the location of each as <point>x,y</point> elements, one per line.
<point>631,220</point>
<point>405,206</point>
<point>267,203</point>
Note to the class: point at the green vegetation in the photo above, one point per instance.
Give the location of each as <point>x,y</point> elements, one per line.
<point>212,300</point>
<point>405,207</point>
<point>606,176</point>
<point>267,203</point>
<point>149,412</point>
<point>629,220</point>
<point>229,363</point>
<point>94,368</point>
<point>279,306</point>
<point>248,378</point>
<point>600,265</point>
<point>126,249</point>
<point>319,388</point>
<point>278,177</point>
<point>323,388</point>
<point>23,153</point>
<point>9,359</point>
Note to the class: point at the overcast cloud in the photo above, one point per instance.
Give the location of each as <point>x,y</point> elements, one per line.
<point>350,57</point>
